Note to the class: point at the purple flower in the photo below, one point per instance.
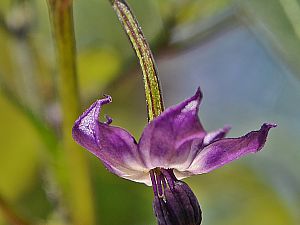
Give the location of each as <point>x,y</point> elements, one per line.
<point>172,146</point>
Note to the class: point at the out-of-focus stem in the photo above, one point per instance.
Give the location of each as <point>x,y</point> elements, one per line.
<point>292,11</point>
<point>79,187</point>
<point>10,215</point>
<point>144,54</point>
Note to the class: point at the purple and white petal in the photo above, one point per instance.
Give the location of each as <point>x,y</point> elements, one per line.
<point>174,137</point>
<point>215,135</point>
<point>114,146</point>
<point>225,150</point>
<point>195,145</point>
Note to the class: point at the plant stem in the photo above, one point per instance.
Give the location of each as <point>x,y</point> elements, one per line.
<point>144,54</point>
<point>79,194</point>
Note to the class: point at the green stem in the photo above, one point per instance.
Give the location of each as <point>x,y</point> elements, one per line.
<point>79,194</point>
<point>144,54</point>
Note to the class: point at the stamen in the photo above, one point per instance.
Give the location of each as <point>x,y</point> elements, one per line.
<point>175,208</point>
<point>163,180</point>
<point>170,179</point>
<point>174,203</point>
<point>160,179</point>
<point>194,202</point>
<point>172,175</point>
<point>161,212</point>
<point>158,182</point>
<point>153,180</point>
<point>108,119</point>
<point>183,198</point>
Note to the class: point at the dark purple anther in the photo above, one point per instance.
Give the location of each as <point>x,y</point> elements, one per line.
<point>177,204</point>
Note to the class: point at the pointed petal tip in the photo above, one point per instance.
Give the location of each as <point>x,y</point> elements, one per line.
<point>198,94</point>
<point>268,125</point>
<point>107,99</point>
<point>227,128</point>
<point>223,151</point>
<point>167,139</point>
<point>193,102</point>
<point>89,118</point>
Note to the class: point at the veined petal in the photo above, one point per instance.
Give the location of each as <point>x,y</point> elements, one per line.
<point>114,146</point>
<point>225,150</point>
<point>196,145</point>
<point>172,139</point>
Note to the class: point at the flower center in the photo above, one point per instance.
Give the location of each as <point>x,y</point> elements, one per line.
<point>162,179</point>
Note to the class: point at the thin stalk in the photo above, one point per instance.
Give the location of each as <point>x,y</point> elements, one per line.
<point>141,47</point>
<point>79,194</point>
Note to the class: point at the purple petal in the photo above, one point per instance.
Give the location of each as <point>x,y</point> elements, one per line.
<point>215,135</point>
<point>226,150</point>
<point>115,147</point>
<point>172,139</point>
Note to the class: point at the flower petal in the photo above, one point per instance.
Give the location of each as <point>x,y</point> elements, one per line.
<point>215,135</point>
<point>172,139</point>
<point>226,150</point>
<point>115,147</point>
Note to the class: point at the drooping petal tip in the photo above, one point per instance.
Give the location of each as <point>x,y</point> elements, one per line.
<point>106,99</point>
<point>225,150</point>
<point>269,125</point>
<point>114,146</point>
<point>263,133</point>
<point>84,131</point>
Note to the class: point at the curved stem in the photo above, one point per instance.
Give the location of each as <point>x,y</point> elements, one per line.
<point>144,54</point>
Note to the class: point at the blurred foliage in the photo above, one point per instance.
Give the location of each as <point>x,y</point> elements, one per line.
<point>254,202</point>
<point>21,148</point>
<point>280,31</point>
<point>262,192</point>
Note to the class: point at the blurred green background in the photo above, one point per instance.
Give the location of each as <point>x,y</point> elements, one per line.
<point>244,55</point>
